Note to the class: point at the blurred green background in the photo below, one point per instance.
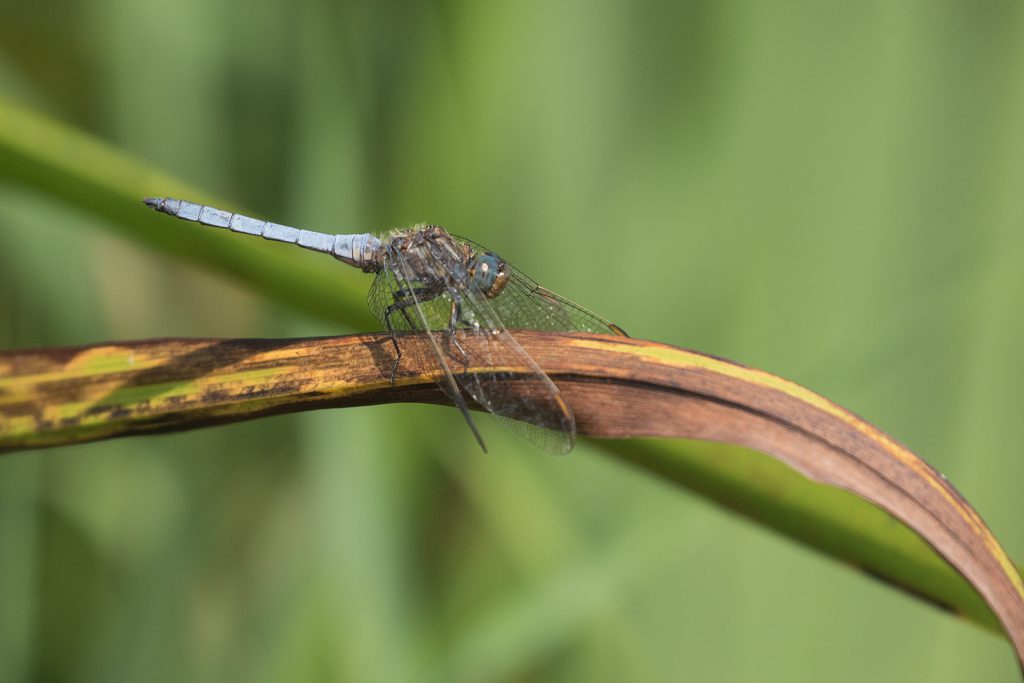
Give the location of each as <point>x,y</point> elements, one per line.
<point>830,191</point>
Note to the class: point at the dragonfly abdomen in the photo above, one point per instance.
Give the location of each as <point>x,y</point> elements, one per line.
<point>359,250</point>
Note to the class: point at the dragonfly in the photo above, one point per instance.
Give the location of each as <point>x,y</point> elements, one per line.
<point>444,287</point>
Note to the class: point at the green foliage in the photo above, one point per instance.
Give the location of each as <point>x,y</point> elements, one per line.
<point>830,192</point>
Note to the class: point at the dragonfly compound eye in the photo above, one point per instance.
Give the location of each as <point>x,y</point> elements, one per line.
<point>489,275</point>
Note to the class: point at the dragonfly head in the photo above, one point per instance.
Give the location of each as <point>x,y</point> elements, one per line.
<point>488,274</point>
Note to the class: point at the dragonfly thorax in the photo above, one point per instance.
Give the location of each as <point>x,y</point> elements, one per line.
<point>430,256</point>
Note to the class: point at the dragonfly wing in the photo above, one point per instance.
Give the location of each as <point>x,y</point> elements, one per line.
<point>403,303</point>
<point>525,305</point>
<point>525,400</point>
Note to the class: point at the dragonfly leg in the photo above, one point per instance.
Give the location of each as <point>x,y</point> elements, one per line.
<point>394,338</point>
<point>403,299</point>
<point>453,321</point>
<point>406,292</point>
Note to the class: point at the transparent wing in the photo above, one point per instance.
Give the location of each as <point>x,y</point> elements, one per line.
<point>525,305</point>
<point>526,402</point>
<point>400,303</point>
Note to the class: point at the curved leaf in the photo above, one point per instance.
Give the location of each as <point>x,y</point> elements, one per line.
<point>618,388</point>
